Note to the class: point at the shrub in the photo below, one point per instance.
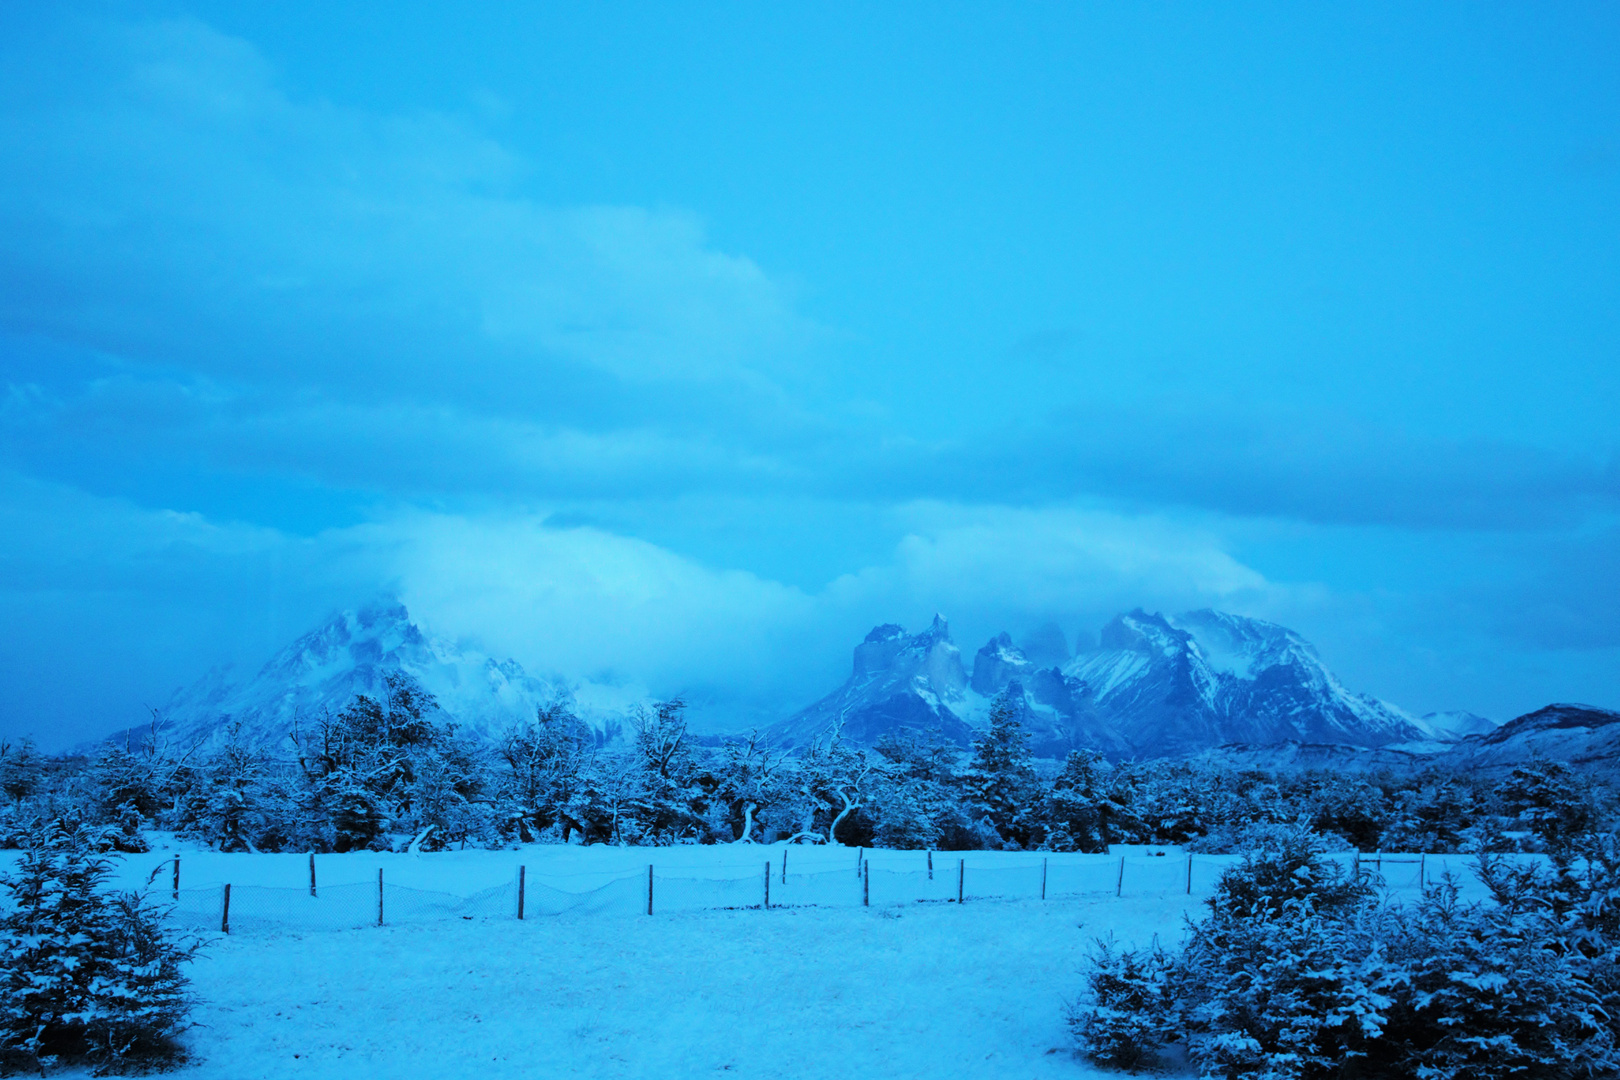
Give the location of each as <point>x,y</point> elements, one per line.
<point>1123,1019</point>
<point>1482,992</point>
<point>87,975</point>
<point>1299,972</point>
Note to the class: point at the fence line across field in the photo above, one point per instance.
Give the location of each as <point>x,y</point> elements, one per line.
<point>900,879</point>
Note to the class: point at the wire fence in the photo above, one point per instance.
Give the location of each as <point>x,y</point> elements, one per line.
<point>932,878</point>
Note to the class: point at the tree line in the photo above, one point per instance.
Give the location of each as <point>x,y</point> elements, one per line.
<point>381,772</point>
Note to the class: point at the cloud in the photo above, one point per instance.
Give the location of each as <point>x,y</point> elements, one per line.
<point>292,288</point>
<point>1243,459</point>
<point>164,199</point>
<point>1562,593</point>
<point>1020,565</point>
<point>583,601</point>
<point>588,603</point>
<point>106,607</point>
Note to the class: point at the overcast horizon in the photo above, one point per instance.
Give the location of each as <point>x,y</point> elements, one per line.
<point>681,347</point>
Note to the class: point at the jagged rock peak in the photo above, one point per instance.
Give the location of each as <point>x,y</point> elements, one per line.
<point>1159,685</point>
<point>1458,724</point>
<point>898,680</point>
<point>997,664</point>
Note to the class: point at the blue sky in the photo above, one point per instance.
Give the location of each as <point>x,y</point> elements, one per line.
<point>679,344</point>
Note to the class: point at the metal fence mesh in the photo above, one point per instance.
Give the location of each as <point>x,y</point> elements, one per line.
<point>901,879</point>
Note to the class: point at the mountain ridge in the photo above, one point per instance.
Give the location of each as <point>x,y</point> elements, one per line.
<point>351,653</point>
<point>1153,686</point>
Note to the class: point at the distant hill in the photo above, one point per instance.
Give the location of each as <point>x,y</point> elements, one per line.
<point>1583,736</point>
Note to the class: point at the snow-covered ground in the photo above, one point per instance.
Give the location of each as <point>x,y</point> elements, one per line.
<point>932,989</point>
<point>927,990</point>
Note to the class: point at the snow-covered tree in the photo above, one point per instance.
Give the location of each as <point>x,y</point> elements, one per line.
<point>87,975</point>
<point>384,763</point>
<point>834,781</point>
<point>1085,806</point>
<point>232,802</point>
<point>999,783</point>
<point>1551,801</point>
<point>540,767</point>
<point>747,795</point>
<point>666,803</point>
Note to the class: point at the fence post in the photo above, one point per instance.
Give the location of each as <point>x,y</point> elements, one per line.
<point>1043,879</point>
<point>767,884</point>
<point>1355,867</point>
<point>1423,868</point>
<point>930,866</point>
<point>866,885</point>
<point>961,873</point>
<point>1119,886</point>
<point>1189,873</point>
<point>312,873</point>
<point>522,874</point>
<point>649,888</point>
<point>379,897</point>
<point>784,863</point>
<point>225,911</point>
<point>177,877</point>
<point>859,858</point>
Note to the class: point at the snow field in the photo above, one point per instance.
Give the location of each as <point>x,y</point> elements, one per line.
<point>899,989</point>
<point>926,990</point>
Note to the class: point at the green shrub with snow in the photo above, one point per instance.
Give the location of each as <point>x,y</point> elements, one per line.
<point>87,975</point>
<point>1298,971</point>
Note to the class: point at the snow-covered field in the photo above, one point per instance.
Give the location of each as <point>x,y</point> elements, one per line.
<point>929,990</point>
<point>924,989</point>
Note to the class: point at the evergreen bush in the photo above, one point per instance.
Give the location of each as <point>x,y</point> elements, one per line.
<point>1299,972</point>
<point>88,976</point>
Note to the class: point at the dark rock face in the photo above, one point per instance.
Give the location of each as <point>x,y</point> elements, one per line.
<point>899,681</point>
<point>1552,718</point>
<point>997,664</point>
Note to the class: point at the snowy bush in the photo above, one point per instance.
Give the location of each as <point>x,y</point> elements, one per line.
<point>87,976</point>
<point>1299,971</point>
<point>1123,1021</point>
<point>1481,991</point>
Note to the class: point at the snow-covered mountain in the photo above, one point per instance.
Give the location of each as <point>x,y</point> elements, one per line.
<point>1159,686</point>
<point>1154,686</point>
<point>351,654</point>
<point>899,681</point>
<point>1457,724</point>
<point>1580,735</point>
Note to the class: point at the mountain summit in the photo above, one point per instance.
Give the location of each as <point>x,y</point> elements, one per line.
<point>1163,685</point>
<point>1154,686</point>
<point>899,681</point>
<point>350,654</point>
